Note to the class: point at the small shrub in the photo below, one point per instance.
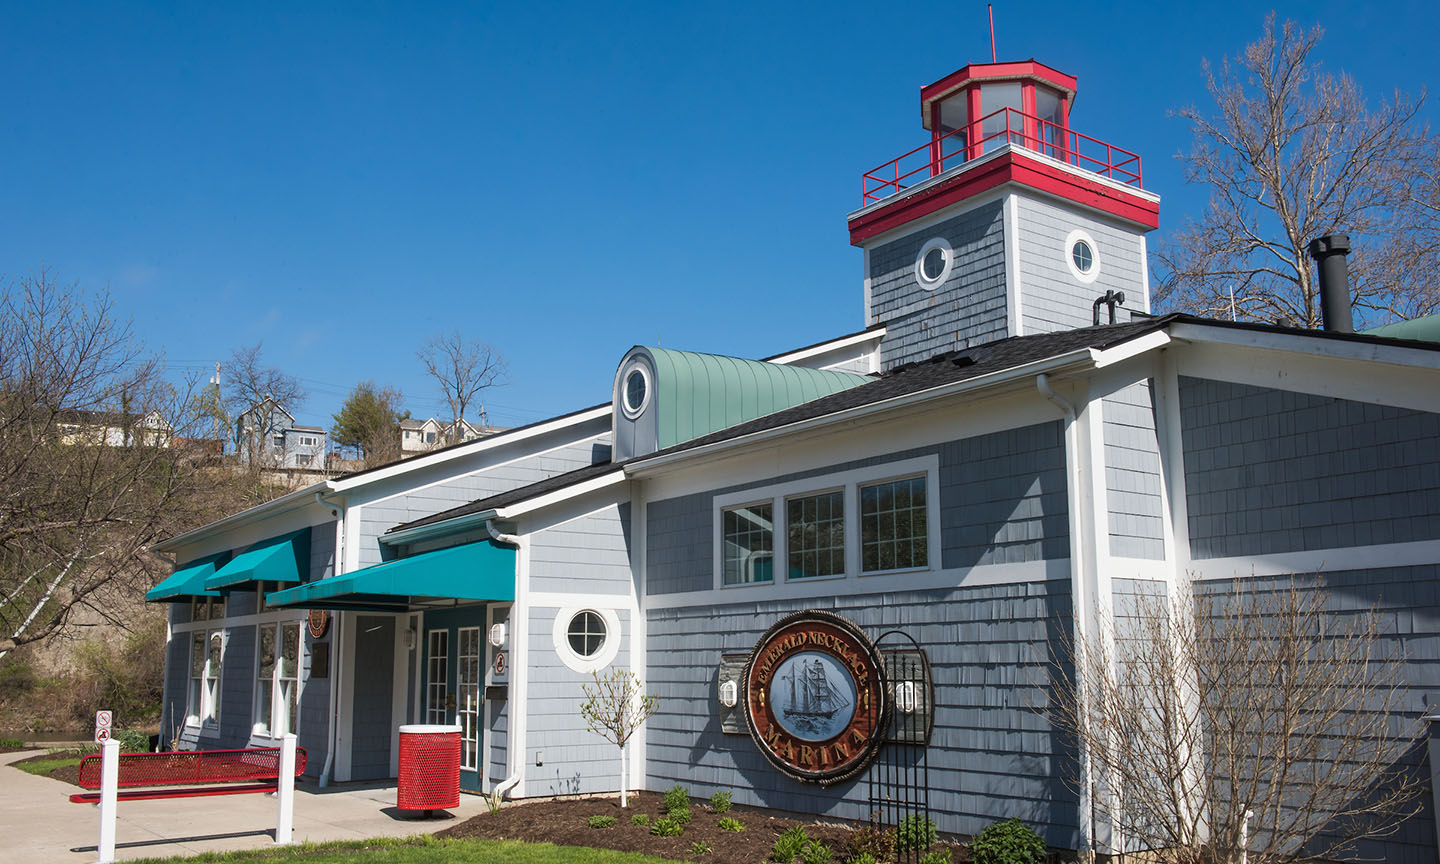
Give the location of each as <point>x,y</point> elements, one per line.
<point>493,802</point>
<point>602,821</point>
<point>730,823</point>
<point>641,819</point>
<point>12,742</point>
<point>815,852</point>
<point>133,741</point>
<point>937,856</point>
<point>679,814</point>
<point>720,802</point>
<point>870,842</point>
<point>666,827</point>
<point>789,845</point>
<point>1008,842</point>
<point>862,858</point>
<point>699,847</point>
<point>915,834</point>
<point>677,796</point>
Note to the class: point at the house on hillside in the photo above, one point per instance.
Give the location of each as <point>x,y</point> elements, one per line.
<point>268,434</point>
<point>417,436</point>
<point>877,542</point>
<point>113,428</point>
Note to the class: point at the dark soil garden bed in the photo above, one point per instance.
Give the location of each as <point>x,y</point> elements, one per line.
<point>566,822</point>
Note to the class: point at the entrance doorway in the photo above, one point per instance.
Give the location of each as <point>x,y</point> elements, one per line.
<point>453,682</point>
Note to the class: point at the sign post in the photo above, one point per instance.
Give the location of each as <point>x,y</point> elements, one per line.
<point>109,785</point>
<point>285,792</point>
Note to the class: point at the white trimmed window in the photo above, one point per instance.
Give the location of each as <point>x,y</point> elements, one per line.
<point>277,679</point>
<point>874,519</point>
<point>207,651</point>
<point>748,538</point>
<point>894,525</point>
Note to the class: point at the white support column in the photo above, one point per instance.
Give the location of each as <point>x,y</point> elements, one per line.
<point>285,791</point>
<point>109,794</point>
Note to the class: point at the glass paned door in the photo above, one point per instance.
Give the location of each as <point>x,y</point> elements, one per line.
<point>437,679</point>
<point>468,695</point>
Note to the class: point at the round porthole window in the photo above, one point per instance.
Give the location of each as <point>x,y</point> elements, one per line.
<point>932,265</point>
<point>586,639</point>
<point>586,634</point>
<point>635,391</point>
<point>1082,256</point>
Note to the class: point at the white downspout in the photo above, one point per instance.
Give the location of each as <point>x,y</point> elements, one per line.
<point>1077,567</point>
<point>519,662</point>
<point>336,643</point>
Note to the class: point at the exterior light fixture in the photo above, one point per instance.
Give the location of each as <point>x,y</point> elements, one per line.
<point>729,693</point>
<point>497,634</point>
<point>905,697</point>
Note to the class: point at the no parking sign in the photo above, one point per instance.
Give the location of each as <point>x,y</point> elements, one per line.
<point>102,726</point>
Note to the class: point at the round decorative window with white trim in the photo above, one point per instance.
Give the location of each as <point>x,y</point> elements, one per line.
<point>1082,256</point>
<point>933,264</point>
<point>587,640</point>
<point>635,390</point>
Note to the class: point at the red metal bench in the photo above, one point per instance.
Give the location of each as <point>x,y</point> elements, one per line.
<point>230,772</point>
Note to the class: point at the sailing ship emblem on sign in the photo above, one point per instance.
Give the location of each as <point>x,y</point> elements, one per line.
<point>814,697</point>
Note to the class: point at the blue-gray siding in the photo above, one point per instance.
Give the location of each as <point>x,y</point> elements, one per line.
<point>1270,471</point>
<point>1002,500</point>
<point>576,760</point>
<point>1052,298</point>
<point>1407,600</point>
<point>378,517</point>
<point>1132,474</point>
<point>967,310</point>
<point>993,754</point>
<point>589,555</point>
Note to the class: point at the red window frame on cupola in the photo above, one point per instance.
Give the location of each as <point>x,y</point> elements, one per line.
<point>970,79</point>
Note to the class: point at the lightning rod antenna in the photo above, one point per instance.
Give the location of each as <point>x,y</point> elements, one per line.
<point>990,7</point>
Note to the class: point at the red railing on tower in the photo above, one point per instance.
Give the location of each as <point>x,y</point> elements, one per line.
<point>1005,126</point>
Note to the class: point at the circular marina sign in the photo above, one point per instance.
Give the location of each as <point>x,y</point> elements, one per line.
<point>814,697</point>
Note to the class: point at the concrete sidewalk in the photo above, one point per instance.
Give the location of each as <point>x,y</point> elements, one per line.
<point>39,824</point>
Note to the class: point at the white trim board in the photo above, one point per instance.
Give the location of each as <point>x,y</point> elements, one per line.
<point>1319,561</point>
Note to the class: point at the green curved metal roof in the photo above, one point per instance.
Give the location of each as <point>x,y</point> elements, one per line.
<point>1426,329</point>
<point>696,394</point>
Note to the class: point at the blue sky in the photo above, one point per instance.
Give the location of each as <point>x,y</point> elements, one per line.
<point>564,180</point>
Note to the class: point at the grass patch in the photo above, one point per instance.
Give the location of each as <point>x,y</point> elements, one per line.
<point>420,850</point>
<point>43,767</point>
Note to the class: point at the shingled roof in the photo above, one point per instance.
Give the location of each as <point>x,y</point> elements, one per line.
<point>947,368</point>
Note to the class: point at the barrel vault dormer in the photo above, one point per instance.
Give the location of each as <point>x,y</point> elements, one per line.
<point>662,398</point>
<point>1006,222</point>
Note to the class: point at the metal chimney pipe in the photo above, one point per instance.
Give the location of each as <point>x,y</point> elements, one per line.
<point>1329,253</point>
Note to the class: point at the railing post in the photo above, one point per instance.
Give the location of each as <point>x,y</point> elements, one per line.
<point>285,791</point>
<point>109,794</point>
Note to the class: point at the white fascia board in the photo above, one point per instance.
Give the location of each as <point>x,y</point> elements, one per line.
<point>270,509</point>
<point>872,335</point>
<point>1307,344</point>
<point>1132,348</point>
<point>550,499</point>
<point>507,514</point>
<point>499,440</point>
<point>1079,360</point>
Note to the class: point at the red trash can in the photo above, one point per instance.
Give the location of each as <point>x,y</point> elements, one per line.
<point>429,767</point>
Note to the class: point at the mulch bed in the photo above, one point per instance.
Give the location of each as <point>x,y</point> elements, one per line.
<point>564,822</point>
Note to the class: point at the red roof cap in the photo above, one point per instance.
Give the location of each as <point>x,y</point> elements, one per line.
<point>975,72</point>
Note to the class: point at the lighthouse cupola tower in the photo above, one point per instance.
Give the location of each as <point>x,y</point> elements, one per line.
<point>1006,222</point>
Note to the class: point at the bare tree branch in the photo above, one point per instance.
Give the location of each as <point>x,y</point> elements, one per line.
<point>1290,153</point>
<point>463,369</point>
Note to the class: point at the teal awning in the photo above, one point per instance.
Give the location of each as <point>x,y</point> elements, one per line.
<point>482,571</point>
<point>279,559</point>
<point>187,581</point>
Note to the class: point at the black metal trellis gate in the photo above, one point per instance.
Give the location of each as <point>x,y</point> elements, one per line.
<point>900,774</point>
